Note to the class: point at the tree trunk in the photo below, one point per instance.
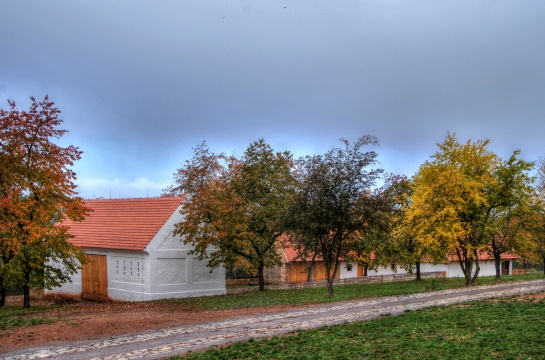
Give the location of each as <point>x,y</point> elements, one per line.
<point>418,274</point>
<point>260,274</point>
<point>26,296</point>
<point>2,292</point>
<point>365,268</point>
<point>497,264</point>
<point>477,270</point>
<point>466,264</point>
<point>330,288</point>
<point>497,258</point>
<point>26,288</point>
<point>544,265</point>
<point>467,269</point>
<point>329,278</point>
<point>310,266</point>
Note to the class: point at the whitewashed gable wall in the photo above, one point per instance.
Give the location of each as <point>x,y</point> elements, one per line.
<point>175,272</point>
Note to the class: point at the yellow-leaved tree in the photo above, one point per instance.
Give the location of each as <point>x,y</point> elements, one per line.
<point>456,196</point>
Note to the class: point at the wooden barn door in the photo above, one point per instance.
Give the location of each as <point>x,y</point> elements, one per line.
<point>298,272</point>
<point>505,268</point>
<point>94,278</point>
<point>321,272</point>
<point>360,270</point>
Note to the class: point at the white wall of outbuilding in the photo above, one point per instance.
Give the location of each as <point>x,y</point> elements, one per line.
<point>165,269</point>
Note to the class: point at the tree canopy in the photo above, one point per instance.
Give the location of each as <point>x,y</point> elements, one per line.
<point>234,213</point>
<point>333,205</point>
<point>37,192</point>
<point>456,197</point>
<point>538,218</point>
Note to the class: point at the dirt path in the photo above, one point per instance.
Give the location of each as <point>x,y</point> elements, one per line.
<point>85,320</point>
<point>158,344</point>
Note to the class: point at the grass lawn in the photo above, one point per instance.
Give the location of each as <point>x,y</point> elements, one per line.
<point>11,316</point>
<point>345,292</point>
<point>504,329</point>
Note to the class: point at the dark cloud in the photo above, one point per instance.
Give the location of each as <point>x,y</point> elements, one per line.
<point>139,84</point>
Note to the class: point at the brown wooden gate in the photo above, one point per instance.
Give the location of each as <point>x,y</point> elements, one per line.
<point>505,268</point>
<point>360,270</point>
<point>298,272</point>
<point>94,278</point>
<point>321,272</point>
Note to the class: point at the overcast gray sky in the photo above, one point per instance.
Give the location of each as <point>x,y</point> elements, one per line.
<point>139,83</point>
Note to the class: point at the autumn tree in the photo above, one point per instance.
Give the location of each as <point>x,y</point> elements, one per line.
<point>376,246</point>
<point>398,243</point>
<point>37,193</point>
<point>508,220</point>
<point>235,208</point>
<point>332,205</point>
<point>538,224</point>
<point>448,202</point>
<point>456,196</point>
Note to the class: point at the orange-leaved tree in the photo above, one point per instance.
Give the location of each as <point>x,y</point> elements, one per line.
<point>235,207</point>
<point>37,192</point>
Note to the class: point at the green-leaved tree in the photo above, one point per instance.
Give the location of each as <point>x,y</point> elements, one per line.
<point>333,205</point>
<point>234,211</point>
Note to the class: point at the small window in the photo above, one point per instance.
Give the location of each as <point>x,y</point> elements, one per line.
<point>393,267</point>
<point>349,267</point>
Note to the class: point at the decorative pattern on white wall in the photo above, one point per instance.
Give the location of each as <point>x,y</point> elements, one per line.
<point>173,243</point>
<point>171,271</point>
<point>202,274</point>
<point>127,269</point>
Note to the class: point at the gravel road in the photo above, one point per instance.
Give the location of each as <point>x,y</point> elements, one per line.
<point>159,344</point>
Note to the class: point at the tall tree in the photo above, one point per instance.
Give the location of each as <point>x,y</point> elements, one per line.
<point>456,197</point>
<point>449,202</point>
<point>509,216</point>
<point>332,205</point>
<point>234,213</point>
<point>378,245</point>
<point>37,195</point>
<point>398,243</point>
<point>538,228</point>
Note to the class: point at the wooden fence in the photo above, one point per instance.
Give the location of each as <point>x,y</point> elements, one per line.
<point>356,280</point>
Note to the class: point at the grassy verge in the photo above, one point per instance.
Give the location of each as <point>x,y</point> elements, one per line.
<point>346,292</point>
<point>11,316</point>
<point>506,329</point>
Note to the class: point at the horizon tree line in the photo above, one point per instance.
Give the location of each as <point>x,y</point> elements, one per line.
<point>464,201</point>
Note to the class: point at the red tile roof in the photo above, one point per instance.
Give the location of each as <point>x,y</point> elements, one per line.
<point>292,256</point>
<point>291,253</point>
<point>128,224</point>
<point>287,247</point>
<point>485,256</point>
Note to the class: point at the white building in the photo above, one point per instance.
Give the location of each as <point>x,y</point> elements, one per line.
<point>135,256</point>
<point>294,269</point>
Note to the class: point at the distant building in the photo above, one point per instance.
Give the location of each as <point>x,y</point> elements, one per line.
<point>295,270</point>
